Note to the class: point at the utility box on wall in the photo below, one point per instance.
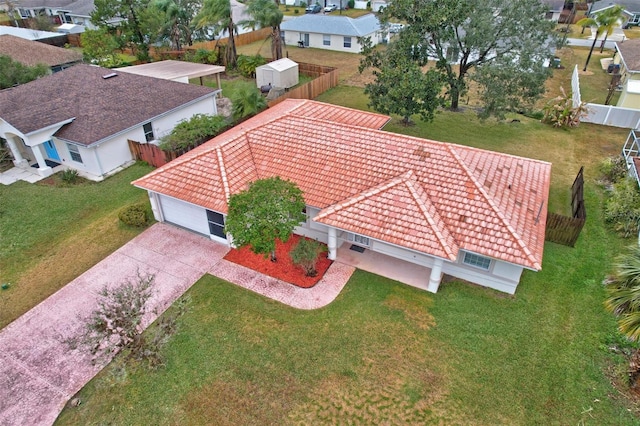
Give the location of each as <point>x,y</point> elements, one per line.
<point>282,73</point>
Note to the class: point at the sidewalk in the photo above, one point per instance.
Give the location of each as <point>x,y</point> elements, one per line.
<point>39,374</point>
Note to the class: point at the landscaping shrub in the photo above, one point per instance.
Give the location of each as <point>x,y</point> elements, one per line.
<point>201,56</point>
<point>614,168</point>
<point>560,111</point>
<point>69,176</point>
<point>247,101</point>
<point>622,209</point>
<point>134,215</point>
<point>191,133</point>
<point>116,324</point>
<point>247,65</point>
<point>305,254</point>
<point>351,4</point>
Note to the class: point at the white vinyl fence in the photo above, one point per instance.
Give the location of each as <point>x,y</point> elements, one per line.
<point>607,115</point>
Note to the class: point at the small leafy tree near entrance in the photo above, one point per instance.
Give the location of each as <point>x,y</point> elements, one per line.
<point>623,291</point>
<point>268,210</point>
<point>305,254</point>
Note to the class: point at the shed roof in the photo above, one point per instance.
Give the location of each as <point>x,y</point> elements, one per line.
<point>31,53</point>
<point>432,197</point>
<point>280,65</point>
<point>340,25</point>
<point>99,107</point>
<point>171,70</point>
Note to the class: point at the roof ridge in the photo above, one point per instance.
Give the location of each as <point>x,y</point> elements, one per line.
<point>414,188</point>
<point>495,208</point>
<point>223,172</point>
<point>363,195</point>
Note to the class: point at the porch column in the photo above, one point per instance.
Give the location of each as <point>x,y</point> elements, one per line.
<point>436,276</point>
<point>43,169</point>
<point>332,243</point>
<point>18,159</point>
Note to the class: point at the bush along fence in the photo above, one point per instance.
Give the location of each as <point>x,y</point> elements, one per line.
<point>565,230</point>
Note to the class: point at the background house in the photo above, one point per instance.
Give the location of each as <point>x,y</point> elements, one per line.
<point>631,9</point>
<point>83,117</point>
<point>627,56</point>
<point>332,32</point>
<point>434,207</point>
<point>31,53</point>
<point>62,11</point>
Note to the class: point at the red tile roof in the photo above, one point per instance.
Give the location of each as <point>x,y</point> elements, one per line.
<point>428,196</point>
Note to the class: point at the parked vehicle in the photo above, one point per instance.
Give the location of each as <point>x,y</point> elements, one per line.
<point>330,8</point>
<point>395,28</point>
<point>313,9</point>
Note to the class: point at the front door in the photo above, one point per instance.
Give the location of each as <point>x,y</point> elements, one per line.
<point>52,152</point>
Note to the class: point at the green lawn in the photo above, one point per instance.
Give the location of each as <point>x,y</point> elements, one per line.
<point>53,233</point>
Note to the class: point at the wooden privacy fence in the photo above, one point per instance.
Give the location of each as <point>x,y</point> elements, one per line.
<point>327,77</point>
<point>565,230</point>
<point>240,40</point>
<point>150,153</point>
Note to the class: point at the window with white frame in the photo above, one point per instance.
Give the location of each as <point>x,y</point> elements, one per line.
<point>476,261</point>
<point>326,39</point>
<point>148,132</point>
<point>74,152</point>
<point>347,42</point>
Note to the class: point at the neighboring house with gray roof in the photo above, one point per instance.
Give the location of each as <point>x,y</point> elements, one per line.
<point>31,53</point>
<point>333,32</point>
<point>65,11</point>
<point>631,9</point>
<point>83,117</point>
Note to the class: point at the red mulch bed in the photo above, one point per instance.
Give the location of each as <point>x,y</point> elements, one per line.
<point>283,269</point>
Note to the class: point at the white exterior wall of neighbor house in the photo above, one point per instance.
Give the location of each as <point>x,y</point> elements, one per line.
<point>107,157</point>
<point>336,42</point>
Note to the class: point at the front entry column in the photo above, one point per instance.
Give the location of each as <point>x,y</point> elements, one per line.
<point>332,243</point>
<point>43,169</point>
<point>18,159</point>
<point>436,276</point>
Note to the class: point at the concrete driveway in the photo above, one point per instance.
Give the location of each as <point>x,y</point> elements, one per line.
<point>39,374</point>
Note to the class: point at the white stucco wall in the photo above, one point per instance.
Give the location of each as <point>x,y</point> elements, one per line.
<point>106,157</point>
<point>337,41</point>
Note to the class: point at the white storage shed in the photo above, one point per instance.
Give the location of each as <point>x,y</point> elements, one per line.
<point>282,73</point>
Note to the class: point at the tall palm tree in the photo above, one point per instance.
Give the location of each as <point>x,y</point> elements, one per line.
<point>216,14</point>
<point>610,19</point>
<point>178,21</point>
<point>604,22</point>
<point>623,290</point>
<point>266,13</point>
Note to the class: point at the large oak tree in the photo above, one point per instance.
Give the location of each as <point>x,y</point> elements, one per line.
<point>462,36</point>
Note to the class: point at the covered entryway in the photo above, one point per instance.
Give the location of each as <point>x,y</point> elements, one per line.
<point>386,266</point>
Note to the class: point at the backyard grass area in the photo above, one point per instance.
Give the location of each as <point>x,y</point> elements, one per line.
<point>51,234</point>
<point>386,353</point>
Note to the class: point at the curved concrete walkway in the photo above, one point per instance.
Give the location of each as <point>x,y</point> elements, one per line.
<point>39,374</point>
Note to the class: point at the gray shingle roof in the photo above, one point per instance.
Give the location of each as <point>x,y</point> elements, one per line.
<point>101,107</point>
<point>339,25</point>
<point>76,7</point>
<point>31,53</point>
<point>632,6</point>
<point>630,52</point>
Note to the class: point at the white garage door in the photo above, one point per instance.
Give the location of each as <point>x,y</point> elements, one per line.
<point>184,214</point>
